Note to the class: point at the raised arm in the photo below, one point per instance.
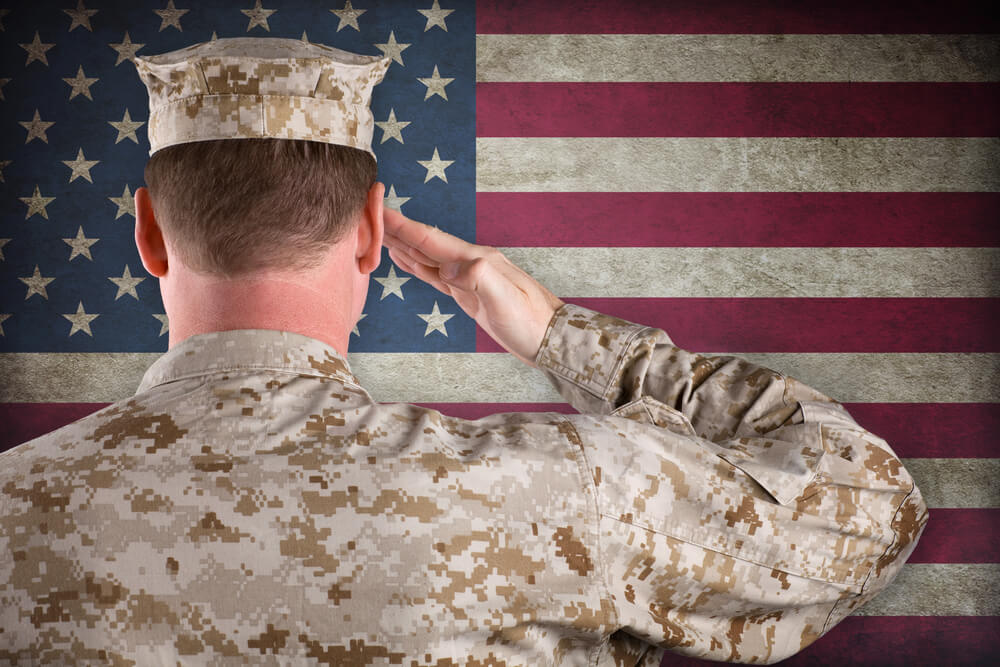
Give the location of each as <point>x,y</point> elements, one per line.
<point>741,513</point>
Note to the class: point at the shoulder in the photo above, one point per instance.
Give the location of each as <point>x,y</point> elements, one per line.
<point>80,439</point>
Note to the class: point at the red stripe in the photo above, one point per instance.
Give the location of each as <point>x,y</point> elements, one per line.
<point>737,109</point>
<point>744,219</point>
<point>808,325</point>
<point>960,536</point>
<point>933,430</point>
<point>894,641</point>
<point>914,430</point>
<point>736,16</point>
<point>24,421</point>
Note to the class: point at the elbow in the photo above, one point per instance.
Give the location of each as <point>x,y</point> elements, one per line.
<point>907,525</point>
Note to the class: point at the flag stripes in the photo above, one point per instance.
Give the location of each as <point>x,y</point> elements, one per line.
<point>610,272</point>
<point>737,219</point>
<point>737,164</point>
<point>409,377</point>
<point>915,430</point>
<point>762,16</point>
<point>811,187</point>
<point>819,324</point>
<point>778,109</point>
<point>565,58</point>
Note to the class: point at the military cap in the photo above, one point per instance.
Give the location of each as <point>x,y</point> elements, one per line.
<point>247,87</point>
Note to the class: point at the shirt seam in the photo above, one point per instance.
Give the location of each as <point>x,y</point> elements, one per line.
<point>251,367</point>
<point>739,556</point>
<point>552,364</point>
<point>588,482</point>
<point>895,537</point>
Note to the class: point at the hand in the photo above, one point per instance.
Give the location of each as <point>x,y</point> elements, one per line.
<point>511,306</point>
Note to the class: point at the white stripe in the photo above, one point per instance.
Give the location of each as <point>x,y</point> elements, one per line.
<point>957,483</point>
<point>762,272</point>
<point>939,589</point>
<point>737,164</point>
<point>759,57</point>
<point>500,378</point>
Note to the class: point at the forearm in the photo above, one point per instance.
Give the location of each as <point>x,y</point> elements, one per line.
<point>600,363</point>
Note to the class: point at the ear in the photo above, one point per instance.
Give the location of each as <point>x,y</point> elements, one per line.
<point>370,229</point>
<point>148,236</point>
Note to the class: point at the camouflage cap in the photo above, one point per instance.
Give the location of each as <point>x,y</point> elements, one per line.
<point>246,87</point>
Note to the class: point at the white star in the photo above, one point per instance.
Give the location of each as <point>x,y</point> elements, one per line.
<point>81,320</point>
<point>36,127</point>
<point>3,242</point>
<point>80,245</point>
<point>348,16</point>
<point>126,284</point>
<point>258,16</point>
<point>164,325</point>
<point>80,166</point>
<point>435,84</point>
<point>3,82</point>
<point>3,165</point>
<point>353,331</point>
<point>3,13</point>
<point>435,16</point>
<point>3,317</point>
<point>80,84</point>
<point>36,50</point>
<point>81,16</point>
<point>126,127</point>
<point>36,204</point>
<point>435,167</point>
<point>170,16</point>
<point>36,284</point>
<point>126,49</point>
<point>391,128</point>
<point>391,284</point>
<point>435,320</point>
<point>125,203</point>
<point>393,49</point>
<point>394,201</point>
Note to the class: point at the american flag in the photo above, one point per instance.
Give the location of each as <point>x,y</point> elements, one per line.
<point>815,187</point>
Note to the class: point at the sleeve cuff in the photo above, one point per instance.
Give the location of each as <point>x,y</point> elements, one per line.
<point>587,348</point>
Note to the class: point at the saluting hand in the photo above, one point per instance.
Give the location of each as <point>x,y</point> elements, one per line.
<point>510,305</point>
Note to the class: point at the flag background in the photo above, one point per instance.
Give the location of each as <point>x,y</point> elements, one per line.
<point>813,187</point>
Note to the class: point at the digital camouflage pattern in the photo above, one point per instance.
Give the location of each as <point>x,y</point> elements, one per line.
<point>253,503</point>
<point>253,87</point>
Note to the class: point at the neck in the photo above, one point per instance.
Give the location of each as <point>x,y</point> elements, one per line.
<point>283,303</point>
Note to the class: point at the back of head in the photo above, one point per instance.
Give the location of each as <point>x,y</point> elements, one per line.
<point>260,149</point>
<point>231,207</point>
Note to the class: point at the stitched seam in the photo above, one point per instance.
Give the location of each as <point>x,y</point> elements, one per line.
<point>251,367</point>
<point>627,348</point>
<point>588,481</point>
<point>762,562</point>
<point>895,537</point>
<point>549,363</point>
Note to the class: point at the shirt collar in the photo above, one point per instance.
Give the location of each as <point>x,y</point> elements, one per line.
<point>248,349</point>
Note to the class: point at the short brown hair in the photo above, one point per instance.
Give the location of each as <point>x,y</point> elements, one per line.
<point>233,206</point>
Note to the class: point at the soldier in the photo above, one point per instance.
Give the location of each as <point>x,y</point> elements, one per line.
<point>253,503</point>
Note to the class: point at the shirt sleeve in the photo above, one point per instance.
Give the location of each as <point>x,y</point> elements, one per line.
<point>742,513</point>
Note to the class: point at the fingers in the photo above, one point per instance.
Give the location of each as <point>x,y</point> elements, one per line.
<point>434,246</point>
<point>428,274</point>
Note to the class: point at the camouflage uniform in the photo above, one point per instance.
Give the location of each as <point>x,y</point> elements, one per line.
<point>253,503</point>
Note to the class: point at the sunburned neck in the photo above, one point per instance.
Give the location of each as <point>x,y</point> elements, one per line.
<point>280,303</point>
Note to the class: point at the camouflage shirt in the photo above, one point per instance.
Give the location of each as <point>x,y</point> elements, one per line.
<point>252,503</point>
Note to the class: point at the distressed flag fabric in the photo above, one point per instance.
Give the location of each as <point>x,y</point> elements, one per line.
<point>813,188</point>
